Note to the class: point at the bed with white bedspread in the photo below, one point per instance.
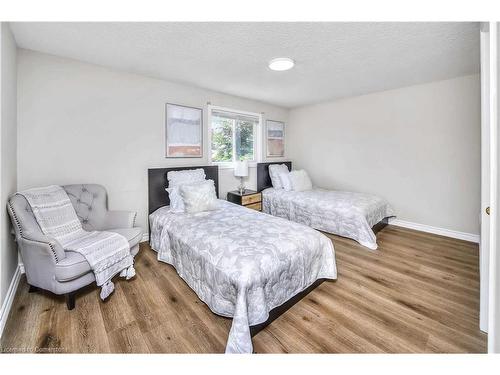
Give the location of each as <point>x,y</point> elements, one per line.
<point>343,213</point>
<point>240,262</point>
<point>290,194</point>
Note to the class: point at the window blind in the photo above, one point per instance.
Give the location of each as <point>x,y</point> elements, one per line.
<point>235,116</point>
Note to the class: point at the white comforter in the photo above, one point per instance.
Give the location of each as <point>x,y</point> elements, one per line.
<point>343,213</point>
<point>240,262</point>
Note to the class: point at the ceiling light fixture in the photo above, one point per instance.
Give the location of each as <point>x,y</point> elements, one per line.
<point>281,63</point>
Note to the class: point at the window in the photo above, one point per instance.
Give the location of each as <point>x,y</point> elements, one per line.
<point>234,136</point>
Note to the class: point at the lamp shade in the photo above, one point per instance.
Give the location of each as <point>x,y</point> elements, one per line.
<point>241,168</point>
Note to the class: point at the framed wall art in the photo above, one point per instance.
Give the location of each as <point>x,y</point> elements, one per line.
<point>275,138</point>
<point>183,131</point>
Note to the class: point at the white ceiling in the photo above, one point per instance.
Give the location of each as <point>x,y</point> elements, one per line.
<point>333,60</point>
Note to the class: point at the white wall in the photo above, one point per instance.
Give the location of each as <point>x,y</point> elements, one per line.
<point>419,147</point>
<point>84,123</point>
<point>8,155</point>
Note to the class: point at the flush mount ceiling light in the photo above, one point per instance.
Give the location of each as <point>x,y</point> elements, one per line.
<point>281,63</point>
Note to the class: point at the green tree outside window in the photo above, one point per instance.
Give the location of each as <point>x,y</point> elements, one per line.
<point>222,139</point>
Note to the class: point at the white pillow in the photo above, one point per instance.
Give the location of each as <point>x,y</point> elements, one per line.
<point>285,181</point>
<point>176,202</point>
<point>177,178</point>
<point>199,197</point>
<point>274,171</point>
<point>300,180</point>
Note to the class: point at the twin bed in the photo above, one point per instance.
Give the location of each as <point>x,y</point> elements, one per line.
<point>244,264</point>
<point>353,215</point>
<point>241,263</point>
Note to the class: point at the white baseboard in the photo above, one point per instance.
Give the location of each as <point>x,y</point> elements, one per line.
<point>436,230</point>
<point>145,237</point>
<point>9,297</point>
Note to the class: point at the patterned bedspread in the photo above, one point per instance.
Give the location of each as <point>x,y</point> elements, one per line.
<point>240,262</point>
<point>343,213</point>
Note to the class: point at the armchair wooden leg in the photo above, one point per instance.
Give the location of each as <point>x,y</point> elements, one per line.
<point>70,300</point>
<point>33,289</point>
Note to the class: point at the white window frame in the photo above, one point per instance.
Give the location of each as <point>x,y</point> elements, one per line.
<point>257,136</point>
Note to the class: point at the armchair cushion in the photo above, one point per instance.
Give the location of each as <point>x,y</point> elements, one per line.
<point>71,267</point>
<point>75,265</point>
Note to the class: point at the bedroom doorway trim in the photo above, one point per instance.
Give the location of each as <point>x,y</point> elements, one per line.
<point>484,245</point>
<point>494,258</point>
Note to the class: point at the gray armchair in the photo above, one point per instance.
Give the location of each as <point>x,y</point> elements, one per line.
<point>46,263</point>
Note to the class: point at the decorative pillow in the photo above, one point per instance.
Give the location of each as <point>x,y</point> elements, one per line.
<point>274,172</point>
<point>285,181</point>
<point>199,197</point>
<point>176,202</point>
<point>177,178</point>
<point>300,180</point>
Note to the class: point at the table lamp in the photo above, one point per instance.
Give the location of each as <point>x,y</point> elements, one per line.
<point>241,171</point>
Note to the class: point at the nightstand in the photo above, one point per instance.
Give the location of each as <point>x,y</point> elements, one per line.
<point>249,199</point>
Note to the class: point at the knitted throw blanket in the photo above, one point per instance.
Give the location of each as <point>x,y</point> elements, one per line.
<point>107,253</point>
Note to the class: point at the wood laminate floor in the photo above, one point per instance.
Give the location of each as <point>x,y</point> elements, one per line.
<point>418,293</point>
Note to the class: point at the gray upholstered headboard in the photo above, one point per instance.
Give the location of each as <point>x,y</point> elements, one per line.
<point>263,178</point>
<point>157,183</point>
